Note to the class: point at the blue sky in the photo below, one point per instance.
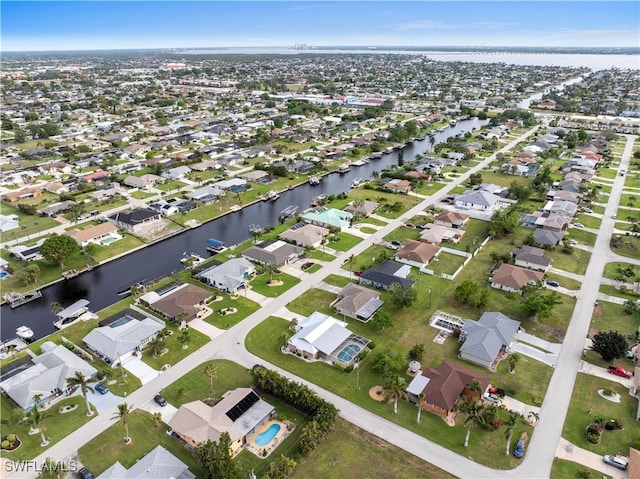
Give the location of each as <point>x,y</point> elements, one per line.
<point>82,25</point>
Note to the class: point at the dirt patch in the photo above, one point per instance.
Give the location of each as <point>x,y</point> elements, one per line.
<point>593,332</point>
<point>559,333</point>
<point>377,393</point>
<point>275,282</point>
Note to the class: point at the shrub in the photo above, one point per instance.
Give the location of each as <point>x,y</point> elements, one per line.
<point>608,391</point>
<point>11,438</point>
<point>593,438</point>
<point>349,368</point>
<point>4,444</point>
<point>585,473</point>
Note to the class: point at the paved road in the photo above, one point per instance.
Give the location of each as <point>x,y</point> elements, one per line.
<point>546,437</point>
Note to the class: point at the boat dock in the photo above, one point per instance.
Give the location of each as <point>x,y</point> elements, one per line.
<point>18,299</point>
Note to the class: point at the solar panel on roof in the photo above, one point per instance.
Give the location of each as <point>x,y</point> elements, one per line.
<point>243,406</point>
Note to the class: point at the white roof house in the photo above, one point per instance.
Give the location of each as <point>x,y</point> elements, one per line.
<point>47,376</point>
<point>158,464</point>
<point>319,333</point>
<point>229,276</point>
<point>120,340</point>
<point>477,200</point>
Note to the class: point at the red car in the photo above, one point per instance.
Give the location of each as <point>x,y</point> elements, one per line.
<point>619,371</point>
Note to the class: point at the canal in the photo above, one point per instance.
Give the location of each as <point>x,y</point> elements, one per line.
<point>101,285</point>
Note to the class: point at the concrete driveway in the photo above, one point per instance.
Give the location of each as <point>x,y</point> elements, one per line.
<point>102,402</point>
<point>167,411</point>
<point>573,453</point>
<point>536,348</point>
<point>140,369</point>
<point>589,368</point>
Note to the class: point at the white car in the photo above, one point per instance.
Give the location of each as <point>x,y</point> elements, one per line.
<point>578,225</point>
<point>616,461</point>
<point>492,398</point>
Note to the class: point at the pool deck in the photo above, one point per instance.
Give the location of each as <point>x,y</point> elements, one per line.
<point>273,444</point>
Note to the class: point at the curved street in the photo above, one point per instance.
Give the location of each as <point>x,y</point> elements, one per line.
<point>547,435</point>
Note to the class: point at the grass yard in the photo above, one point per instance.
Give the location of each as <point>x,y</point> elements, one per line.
<point>313,300</point>
<point>343,241</point>
<point>581,236</point>
<point>127,243</point>
<point>610,270</point>
<point>108,447</point>
<point>337,280</point>
<point>244,306</point>
<point>321,255</point>
<point>402,233</point>
<point>170,185</point>
<point>429,188</point>
<point>576,262</point>
<point>624,294</point>
<point>502,179</point>
<point>354,453</point>
<point>446,263</point>
<point>628,214</point>
<point>57,426</point>
<point>368,230</point>
<point>485,447</point>
<point>608,173</point>
<point>631,200</point>
<point>589,221</point>
<point>611,316</point>
<point>565,282</point>
<point>475,233</point>
<point>29,224</point>
<point>563,469</point>
<point>587,404</point>
<point>175,351</point>
<point>628,246</point>
<point>260,284</point>
<point>385,200</point>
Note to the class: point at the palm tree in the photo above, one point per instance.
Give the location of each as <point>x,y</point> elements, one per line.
<point>475,389</point>
<point>156,346</point>
<point>474,412</point>
<point>420,398</point>
<point>211,372</point>
<point>270,268</point>
<point>123,414</point>
<point>36,400</point>
<point>510,422</point>
<point>79,381</point>
<point>533,417</point>
<point>394,390</point>
<point>185,338</point>
<point>37,420</point>
<point>55,307</point>
<point>514,359</point>
<point>350,265</point>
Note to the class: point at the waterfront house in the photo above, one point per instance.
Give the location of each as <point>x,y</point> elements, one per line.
<point>178,301</point>
<point>306,235</point>
<point>229,276</point>
<point>205,195</point>
<point>122,335</point>
<point>487,340</point>
<point>135,221</point>
<point>277,252</point>
<point>257,176</point>
<point>239,413</point>
<point>331,218</point>
<point>398,186</point>
<point>442,386</point>
<point>513,278</point>
<point>385,274</point>
<point>362,208</point>
<point>45,375</point>
<point>357,302</point>
<point>94,234</point>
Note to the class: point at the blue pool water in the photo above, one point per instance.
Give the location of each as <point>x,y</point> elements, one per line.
<point>108,241</point>
<point>120,322</point>
<point>348,353</point>
<point>3,274</point>
<point>267,436</point>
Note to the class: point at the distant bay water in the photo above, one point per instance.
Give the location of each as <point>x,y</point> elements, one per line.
<point>589,60</point>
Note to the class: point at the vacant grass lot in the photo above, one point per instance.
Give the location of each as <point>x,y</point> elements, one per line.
<point>611,316</point>
<point>581,236</point>
<point>446,263</point>
<point>610,270</point>
<point>175,351</point>
<point>629,246</point>
<point>343,241</point>
<point>244,306</point>
<point>624,294</point>
<point>260,284</point>
<point>589,221</point>
<point>586,405</point>
<point>576,262</point>
<point>383,198</point>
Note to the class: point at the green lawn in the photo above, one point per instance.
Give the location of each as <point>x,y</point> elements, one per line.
<point>581,236</point>
<point>385,200</point>
<point>608,173</point>
<point>485,447</point>
<point>244,306</point>
<point>29,224</point>
<point>367,230</point>
<point>350,452</point>
<point>446,263</point>
<point>588,220</point>
<point>170,185</point>
<point>586,404</point>
<point>57,426</point>
<point>337,280</point>
<point>108,447</point>
<point>629,246</point>
<point>625,294</point>
<point>576,262</point>
<point>343,241</point>
<point>611,316</point>
<point>175,351</point>
<point>610,270</point>
<point>475,233</point>
<point>260,284</point>
<point>321,255</point>
<point>563,469</point>
<point>402,233</point>
<point>628,214</point>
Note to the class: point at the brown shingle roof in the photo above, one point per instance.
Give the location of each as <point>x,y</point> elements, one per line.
<point>185,300</point>
<point>514,276</point>
<point>447,382</point>
<point>417,251</point>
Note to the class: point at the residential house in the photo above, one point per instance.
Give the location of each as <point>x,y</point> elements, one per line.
<point>565,208</point>
<point>513,278</point>
<point>398,186</point>
<point>563,195</point>
<point>239,413</point>
<point>487,340</point>
<point>9,222</point>
<point>144,182</point>
<point>23,194</point>
<point>362,208</point>
<point>230,183</point>
<point>357,302</point>
<point>272,251</point>
<point>257,176</point>
<point>417,253</point>
<point>45,375</point>
<point>331,218</point>
<point>135,221</point>
<point>157,464</point>
<point>477,200</point>
<point>122,335</point>
<point>27,253</point>
<point>306,235</point>
<point>229,276</point>
<point>177,173</point>
<point>163,207</point>
<point>385,274</point>
<point>94,234</point>
<point>442,386</point>
<point>325,338</point>
<point>545,237</point>
<point>451,219</point>
<point>96,176</point>
<point>205,195</point>
<point>531,257</point>
<point>56,187</point>
<point>551,221</point>
<point>178,301</point>
<point>436,234</point>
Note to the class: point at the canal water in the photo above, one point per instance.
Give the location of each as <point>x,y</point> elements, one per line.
<point>101,285</point>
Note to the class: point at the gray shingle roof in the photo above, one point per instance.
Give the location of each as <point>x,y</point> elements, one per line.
<point>488,335</point>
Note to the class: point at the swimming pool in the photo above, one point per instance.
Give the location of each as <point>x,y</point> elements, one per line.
<point>348,353</point>
<point>108,241</point>
<point>267,436</point>
<point>120,322</point>
<point>3,274</point>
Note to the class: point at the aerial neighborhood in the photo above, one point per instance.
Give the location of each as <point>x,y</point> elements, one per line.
<point>226,263</point>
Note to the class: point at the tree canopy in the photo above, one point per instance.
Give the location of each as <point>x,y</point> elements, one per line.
<point>59,248</point>
<point>610,345</point>
<point>403,296</point>
<point>217,461</point>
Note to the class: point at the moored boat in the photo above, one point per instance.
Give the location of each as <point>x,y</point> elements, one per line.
<point>24,332</point>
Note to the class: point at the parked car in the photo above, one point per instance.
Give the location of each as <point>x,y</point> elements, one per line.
<point>587,210</point>
<point>494,398</point>
<point>519,450</point>
<point>85,473</point>
<point>101,388</point>
<point>160,400</point>
<point>553,284</point>
<point>573,242</point>
<point>616,461</point>
<point>623,172</point>
<point>578,225</point>
<point>614,216</point>
<point>393,246</point>
<point>619,371</point>
<point>396,243</point>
